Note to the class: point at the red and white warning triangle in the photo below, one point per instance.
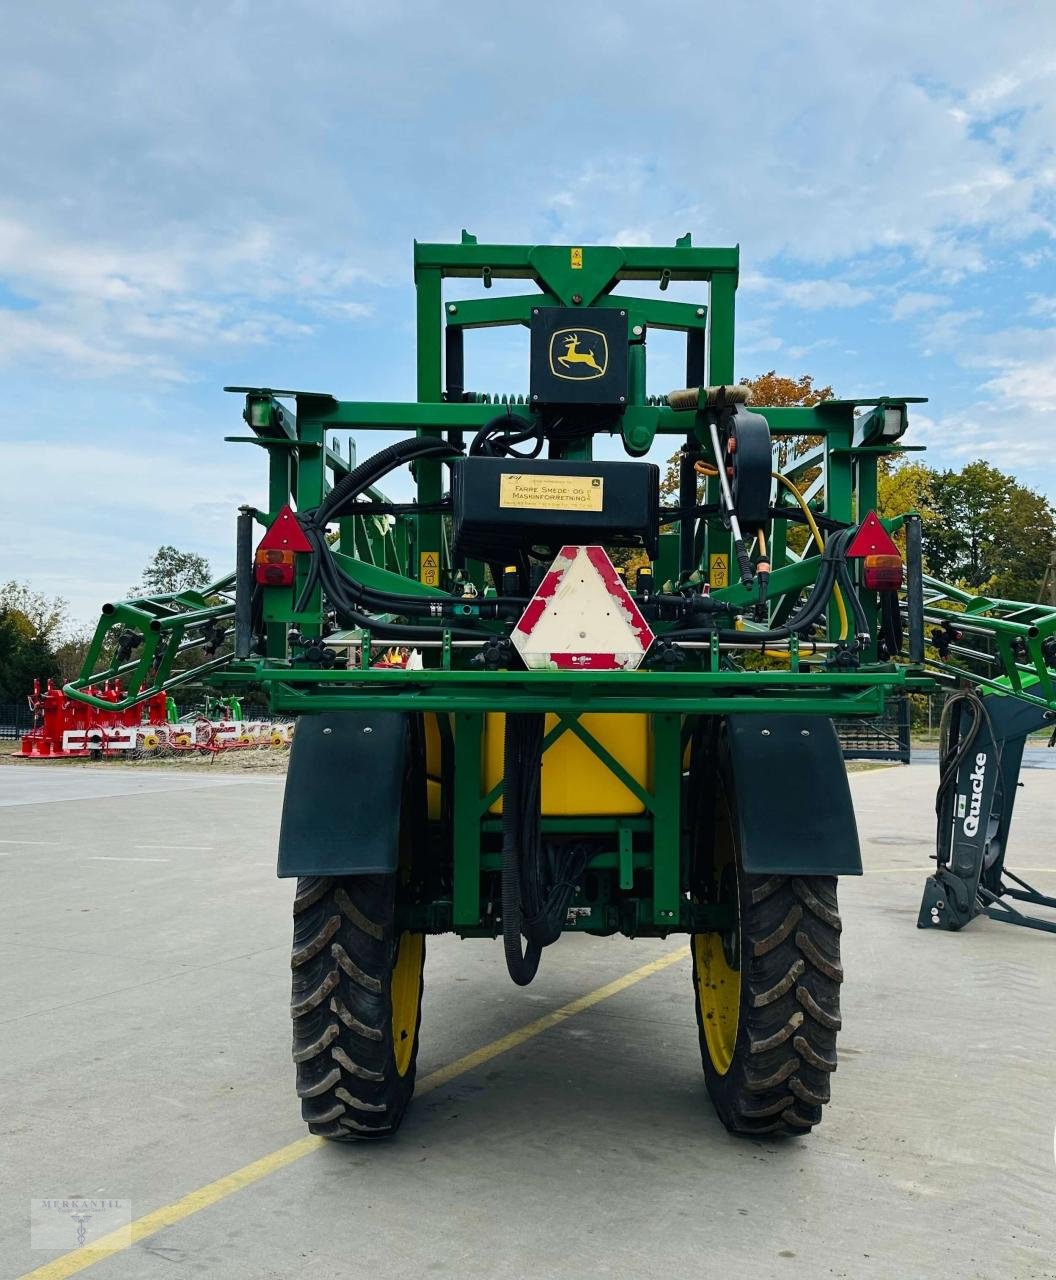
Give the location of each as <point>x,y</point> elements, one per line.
<point>582,618</point>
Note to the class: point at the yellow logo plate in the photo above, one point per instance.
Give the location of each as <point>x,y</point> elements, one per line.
<point>551,493</point>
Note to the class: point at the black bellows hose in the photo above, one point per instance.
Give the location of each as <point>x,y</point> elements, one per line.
<point>521,836</point>
<point>539,879</point>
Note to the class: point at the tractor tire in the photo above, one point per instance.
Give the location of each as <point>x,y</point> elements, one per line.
<point>356,1006</point>
<point>768,991</point>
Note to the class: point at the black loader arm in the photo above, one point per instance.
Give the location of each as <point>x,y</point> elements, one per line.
<point>977,792</point>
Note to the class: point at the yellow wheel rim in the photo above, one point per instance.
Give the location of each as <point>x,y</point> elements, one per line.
<point>719,996</point>
<point>716,961</point>
<point>406,990</point>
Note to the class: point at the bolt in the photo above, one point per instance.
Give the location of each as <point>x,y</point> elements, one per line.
<point>637,330</point>
<point>804,733</point>
<point>535,397</point>
<point>700,311</point>
<point>535,311</point>
<point>766,733</point>
<point>451,308</point>
<point>328,731</point>
<point>623,399</point>
<point>368,729</point>
<point>577,298</point>
<point>623,313</point>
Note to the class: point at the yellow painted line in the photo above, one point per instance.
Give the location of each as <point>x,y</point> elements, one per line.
<point>118,1241</point>
<point>504,1043</point>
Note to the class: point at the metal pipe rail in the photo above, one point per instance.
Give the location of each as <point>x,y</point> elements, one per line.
<point>1023,638</point>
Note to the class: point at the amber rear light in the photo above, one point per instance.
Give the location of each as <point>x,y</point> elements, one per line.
<point>274,568</point>
<point>882,573</point>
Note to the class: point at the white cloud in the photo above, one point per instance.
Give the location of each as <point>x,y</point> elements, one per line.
<point>106,309</point>
<point>912,303</point>
<point>1042,305</point>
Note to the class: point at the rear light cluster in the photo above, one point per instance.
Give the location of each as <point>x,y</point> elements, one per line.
<point>882,573</point>
<point>274,568</point>
<point>881,561</point>
<point>273,563</point>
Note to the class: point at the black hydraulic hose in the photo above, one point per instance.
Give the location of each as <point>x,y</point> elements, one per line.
<point>351,486</point>
<point>353,596</point>
<point>497,437</point>
<point>344,591</point>
<point>833,569</point>
<point>372,470</point>
<point>336,586</point>
<point>807,615</point>
<point>843,577</point>
<point>522,759</point>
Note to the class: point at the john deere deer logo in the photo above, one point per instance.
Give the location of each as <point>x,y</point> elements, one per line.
<point>577,354</point>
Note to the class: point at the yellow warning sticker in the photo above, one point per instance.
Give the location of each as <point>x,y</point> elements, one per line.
<point>719,571</point>
<point>575,259</point>
<point>429,568</point>
<point>551,493</point>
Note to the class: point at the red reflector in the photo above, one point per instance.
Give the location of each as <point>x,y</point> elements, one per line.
<point>582,618</point>
<point>871,539</point>
<point>274,568</point>
<point>285,533</point>
<point>882,573</point>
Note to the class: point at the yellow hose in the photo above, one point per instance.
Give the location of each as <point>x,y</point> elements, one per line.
<point>812,524</point>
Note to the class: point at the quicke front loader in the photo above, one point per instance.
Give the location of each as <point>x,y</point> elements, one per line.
<point>502,733</point>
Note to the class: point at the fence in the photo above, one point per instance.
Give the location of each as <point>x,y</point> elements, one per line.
<point>885,737</point>
<point>15,720</point>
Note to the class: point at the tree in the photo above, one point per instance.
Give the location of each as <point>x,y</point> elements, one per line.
<point>30,625</point>
<point>907,487</point>
<point>989,531</point>
<point>171,570</point>
<point>41,616</point>
<point>774,389</point>
<point>770,388</point>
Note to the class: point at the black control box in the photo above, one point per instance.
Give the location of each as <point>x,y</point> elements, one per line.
<point>579,356</point>
<point>501,506</point>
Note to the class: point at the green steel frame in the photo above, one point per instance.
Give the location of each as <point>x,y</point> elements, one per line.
<point>832,449</point>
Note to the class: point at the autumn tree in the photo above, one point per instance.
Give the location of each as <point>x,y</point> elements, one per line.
<point>770,388</point>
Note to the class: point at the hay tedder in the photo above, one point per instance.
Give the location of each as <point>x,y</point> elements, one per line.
<point>538,697</point>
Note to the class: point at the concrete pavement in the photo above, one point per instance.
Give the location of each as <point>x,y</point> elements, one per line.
<point>144,1053</point>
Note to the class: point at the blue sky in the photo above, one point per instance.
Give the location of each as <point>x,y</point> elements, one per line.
<point>199,194</point>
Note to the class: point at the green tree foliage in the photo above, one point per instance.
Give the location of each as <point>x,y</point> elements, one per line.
<point>31,626</point>
<point>170,570</point>
<point>905,488</point>
<point>989,531</point>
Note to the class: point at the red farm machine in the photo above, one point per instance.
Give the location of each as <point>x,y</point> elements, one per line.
<point>502,735</point>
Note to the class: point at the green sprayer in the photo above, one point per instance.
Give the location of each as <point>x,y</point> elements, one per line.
<point>543,695</point>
